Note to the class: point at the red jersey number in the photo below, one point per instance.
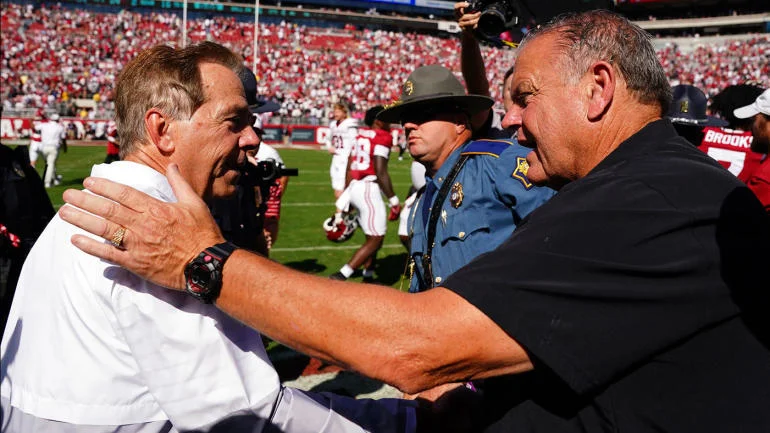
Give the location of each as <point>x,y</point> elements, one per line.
<point>337,142</point>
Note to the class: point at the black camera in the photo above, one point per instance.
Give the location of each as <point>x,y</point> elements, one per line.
<point>266,172</point>
<point>497,16</point>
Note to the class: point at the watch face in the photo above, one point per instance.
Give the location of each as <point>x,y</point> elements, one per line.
<point>200,278</point>
<point>204,273</point>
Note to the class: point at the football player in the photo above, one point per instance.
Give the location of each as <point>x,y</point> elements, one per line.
<point>733,146</point>
<point>342,134</point>
<point>368,178</point>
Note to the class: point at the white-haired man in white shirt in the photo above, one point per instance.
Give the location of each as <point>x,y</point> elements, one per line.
<point>91,347</point>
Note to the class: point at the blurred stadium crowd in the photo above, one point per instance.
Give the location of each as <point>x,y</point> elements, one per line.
<point>52,56</point>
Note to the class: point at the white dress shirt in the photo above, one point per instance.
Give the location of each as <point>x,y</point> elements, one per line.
<point>89,346</point>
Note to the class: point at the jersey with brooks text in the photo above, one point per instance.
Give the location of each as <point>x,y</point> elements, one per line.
<point>369,143</point>
<point>732,148</point>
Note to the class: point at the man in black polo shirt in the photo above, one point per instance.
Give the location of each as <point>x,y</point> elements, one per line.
<point>633,301</point>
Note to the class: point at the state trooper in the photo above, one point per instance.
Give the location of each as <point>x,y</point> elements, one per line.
<point>476,191</point>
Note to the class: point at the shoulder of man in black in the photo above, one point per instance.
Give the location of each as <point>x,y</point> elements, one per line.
<point>26,204</point>
<point>632,274</point>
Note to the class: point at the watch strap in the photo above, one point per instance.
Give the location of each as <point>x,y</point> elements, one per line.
<point>221,251</point>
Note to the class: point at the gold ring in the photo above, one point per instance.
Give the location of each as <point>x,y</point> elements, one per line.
<point>117,237</point>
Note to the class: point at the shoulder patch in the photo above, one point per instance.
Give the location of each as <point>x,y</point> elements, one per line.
<point>520,172</point>
<point>487,147</point>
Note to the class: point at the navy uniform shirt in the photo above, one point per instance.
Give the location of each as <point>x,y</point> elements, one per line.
<point>489,197</point>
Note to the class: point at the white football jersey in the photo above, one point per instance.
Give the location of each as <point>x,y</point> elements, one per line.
<point>342,136</point>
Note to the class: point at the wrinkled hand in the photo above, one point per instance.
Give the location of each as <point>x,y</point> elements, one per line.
<point>160,238</point>
<point>466,21</point>
<point>433,394</point>
<point>395,211</point>
<point>451,408</point>
<point>268,238</point>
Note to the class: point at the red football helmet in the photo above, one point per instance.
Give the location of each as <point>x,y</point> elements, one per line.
<point>342,229</point>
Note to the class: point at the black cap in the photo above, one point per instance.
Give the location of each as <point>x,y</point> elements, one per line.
<point>256,104</point>
<point>689,107</point>
<point>371,115</point>
<point>732,97</point>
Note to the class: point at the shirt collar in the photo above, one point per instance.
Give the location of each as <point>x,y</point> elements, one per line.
<point>655,132</point>
<point>139,176</point>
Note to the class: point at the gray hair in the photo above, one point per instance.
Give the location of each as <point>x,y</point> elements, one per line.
<point>166,78</point>
<point>602,35</point>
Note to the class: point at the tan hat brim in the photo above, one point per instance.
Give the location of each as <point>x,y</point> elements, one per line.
<point>471,104</point>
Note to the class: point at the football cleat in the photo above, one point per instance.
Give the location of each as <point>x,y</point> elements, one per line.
<point>340,229</point>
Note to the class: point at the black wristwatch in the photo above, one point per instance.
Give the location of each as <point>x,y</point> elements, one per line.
<point>204,273</point>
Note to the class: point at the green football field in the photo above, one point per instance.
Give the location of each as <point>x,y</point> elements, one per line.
<point>307,202</point>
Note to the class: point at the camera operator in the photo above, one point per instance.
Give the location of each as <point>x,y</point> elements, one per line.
<point>275,178</point>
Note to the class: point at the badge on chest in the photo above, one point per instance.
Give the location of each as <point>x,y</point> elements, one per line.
<point>456,195</point>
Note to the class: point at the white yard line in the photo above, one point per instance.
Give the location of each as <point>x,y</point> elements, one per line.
<point>326,203</point>
<point>329,247</point>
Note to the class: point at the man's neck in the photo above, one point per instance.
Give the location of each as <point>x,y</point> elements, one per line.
<point>155,162</point>
<point>446,154</point>
<point>610,135</point>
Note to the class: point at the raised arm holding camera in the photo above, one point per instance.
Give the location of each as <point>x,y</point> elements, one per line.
<point>487,124</point>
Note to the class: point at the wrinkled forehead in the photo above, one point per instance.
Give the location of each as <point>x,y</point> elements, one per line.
<point>538,56</point>
<point>217,78</point>
<point>222,85</point>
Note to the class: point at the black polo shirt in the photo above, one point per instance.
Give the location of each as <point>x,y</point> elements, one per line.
<point>640,294</point>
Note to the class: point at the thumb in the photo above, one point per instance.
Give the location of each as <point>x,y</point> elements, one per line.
<point>183,191</point>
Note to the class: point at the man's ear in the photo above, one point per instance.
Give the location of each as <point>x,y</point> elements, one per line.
<point>462,123</point>
<point>601,89</point>
<point>157,125</point>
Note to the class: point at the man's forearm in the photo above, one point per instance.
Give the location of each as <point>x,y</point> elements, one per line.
<point>386,185</point>
<point>383,177</point>
<point>297,308</point>
<point>472,65</point>
<point>382,333</point>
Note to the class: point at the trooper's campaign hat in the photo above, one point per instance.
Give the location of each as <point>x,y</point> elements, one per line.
<point>256,104</point>
<point>430,86</point>
<point>688,107</point>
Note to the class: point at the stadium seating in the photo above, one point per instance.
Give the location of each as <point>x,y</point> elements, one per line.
<point>53,55</point>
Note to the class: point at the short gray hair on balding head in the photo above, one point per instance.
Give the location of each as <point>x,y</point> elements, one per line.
<point>592,36</point>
